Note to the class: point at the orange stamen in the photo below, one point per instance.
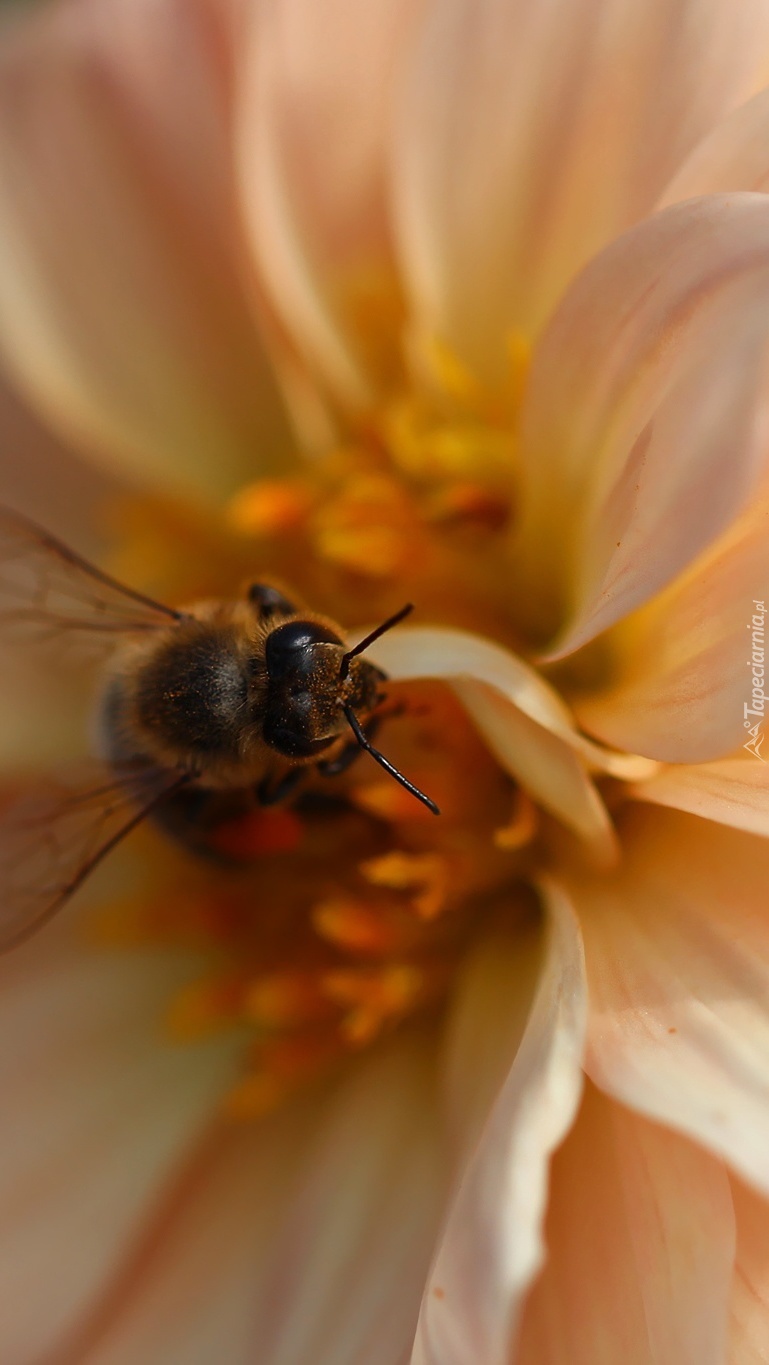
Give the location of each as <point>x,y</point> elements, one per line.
<point>522,825</point>
<point>285,999</point>
<point>270,506</point>
<point>355,926</point>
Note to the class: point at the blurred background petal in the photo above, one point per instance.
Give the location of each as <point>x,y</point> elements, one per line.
<point>531,134</point>
<point>122,309</point>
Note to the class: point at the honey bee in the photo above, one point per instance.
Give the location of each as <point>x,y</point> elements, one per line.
<point>204,712</point>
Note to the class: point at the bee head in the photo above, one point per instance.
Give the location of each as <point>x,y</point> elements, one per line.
<point>308,685</point>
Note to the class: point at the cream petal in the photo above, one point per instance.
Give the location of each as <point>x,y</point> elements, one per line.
<point>121,312</point>
<point>490,1009</point>
<point>348,1266</point>
<point>640,1239</point>
<point>435,652</point>
<point>677,953</point>
<point>646,420</point>
<point>186,1293</point>
<point>521,717</point>
<point>733,792</point>
<point>492,1245</point>
<point>317,87</point>
<point>530,135</point>
<point>99,1113</point>
<point>684,671</point>
<point>546,767</point>
<point>733,156</point>
<point>749,1333</point>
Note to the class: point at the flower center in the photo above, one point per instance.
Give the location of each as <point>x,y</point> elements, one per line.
<point>332,919</point>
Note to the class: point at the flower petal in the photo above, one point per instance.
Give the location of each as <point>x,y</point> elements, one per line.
<point>317,91</point>
<point>98,1113</point>
<point>640,1238</point>
<point>645,424</point>
<point>348,1266</point>
<point>546,767</point>
<point>120,309</point>
<point>684,672</point>
<point>734,155</point>
<point>733,792</point>
<point>750,1294</point>
<point>186,1288</point>
<point>530,135</point>
<point>519,714</point>
<point>677,952</point>
<point>492,1245</point>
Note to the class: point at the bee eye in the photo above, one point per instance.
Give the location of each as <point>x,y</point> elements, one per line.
<point>269,601</point>
<point>289,648</point>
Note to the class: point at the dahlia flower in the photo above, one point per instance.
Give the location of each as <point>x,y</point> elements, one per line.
<point>464,303</point>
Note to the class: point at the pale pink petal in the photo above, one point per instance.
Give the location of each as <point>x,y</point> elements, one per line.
<point>492,1244</point>
<point>98,1113</point>
<point>429,652</point>
<point>490,1009</point>
<point>184,1291</point>
<point>646,421</point>
<point>677,953</point>
<point>521,717</point>
<point>531,134</point>
<point>349,1263</point>
<point>733,792</point>
<point>684,671</point>
<point>546,767</point>
<point>733,156</point>
<point>749,1336</point>
<point>640,1243</point>
<point>318,86</point>
<point>121,311</point>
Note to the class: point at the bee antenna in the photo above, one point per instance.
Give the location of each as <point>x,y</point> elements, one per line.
<point>365,742</point>
<point>347,658</point>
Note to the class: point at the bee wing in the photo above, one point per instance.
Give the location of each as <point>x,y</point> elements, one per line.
<point>52,840</point>
<point>47,589</point>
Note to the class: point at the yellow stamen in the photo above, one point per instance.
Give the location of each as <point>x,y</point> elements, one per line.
<point>373,997</point>
<point>426,875</point>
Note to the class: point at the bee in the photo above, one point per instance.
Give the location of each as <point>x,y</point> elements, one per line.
<point>204,712</point>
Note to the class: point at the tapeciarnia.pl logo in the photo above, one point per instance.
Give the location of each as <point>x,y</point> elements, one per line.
<point>756,707</point>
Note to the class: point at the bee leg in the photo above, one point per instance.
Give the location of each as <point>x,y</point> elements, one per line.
<point>269,794</point>
<point>333,767</point>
